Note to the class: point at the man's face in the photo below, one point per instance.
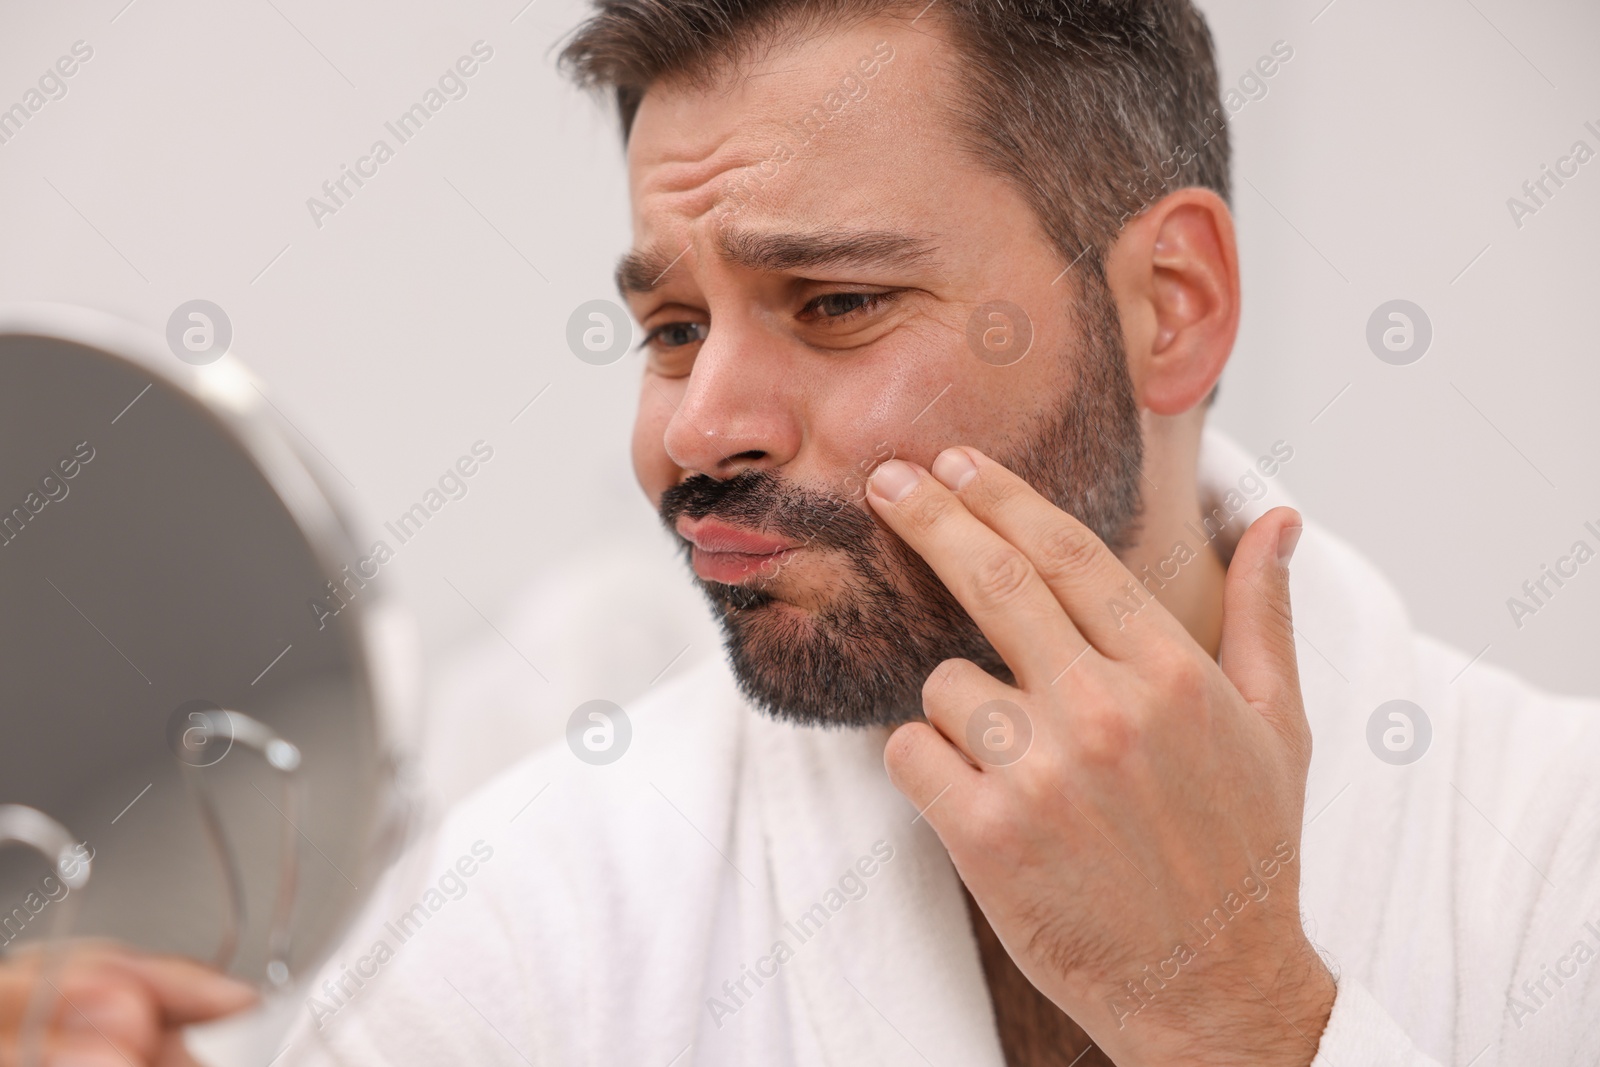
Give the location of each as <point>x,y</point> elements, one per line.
<point>819,252</point>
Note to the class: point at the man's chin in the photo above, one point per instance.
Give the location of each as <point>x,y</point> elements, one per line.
<point>815,667</point>
<point>843,636</point>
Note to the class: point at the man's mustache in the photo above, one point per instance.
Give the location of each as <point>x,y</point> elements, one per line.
<point>762,500</point>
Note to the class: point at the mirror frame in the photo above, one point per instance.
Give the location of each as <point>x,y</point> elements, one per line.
<point>387,640</point>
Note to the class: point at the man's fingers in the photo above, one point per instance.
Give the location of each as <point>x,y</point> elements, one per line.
<point>187,991</point>
<point>1102,597</point>
<point>926,768</point>
<point>109,1013</point>
<point>1257,652</point>
<point>956,692</point>
<point>112,1004</point>
<point>992,578</point>
<point>94,1016</point>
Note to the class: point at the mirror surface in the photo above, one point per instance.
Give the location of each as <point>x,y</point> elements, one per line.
<point>165,539</point>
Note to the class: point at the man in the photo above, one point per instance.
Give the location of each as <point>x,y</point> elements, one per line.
<point>934,297</point>
<point>1010,758</point>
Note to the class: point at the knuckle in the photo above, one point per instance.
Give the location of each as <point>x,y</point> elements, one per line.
<point>1000,576</point>
<point>900,749</point>
<point>940,680</point>
<point>923,512</point>
<point>1066,550</point>
<point>1106,738</point>
<point>1182,679</point>
<point>997,493</point>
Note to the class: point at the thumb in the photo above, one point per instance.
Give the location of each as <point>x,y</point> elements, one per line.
<point>1257,651</point>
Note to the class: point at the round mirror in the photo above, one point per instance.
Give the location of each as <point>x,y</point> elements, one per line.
<point>201,672</point>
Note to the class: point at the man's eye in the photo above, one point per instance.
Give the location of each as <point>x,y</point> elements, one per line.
<point>837,306</point>
<point>828,308</point>
<point>675,334</point>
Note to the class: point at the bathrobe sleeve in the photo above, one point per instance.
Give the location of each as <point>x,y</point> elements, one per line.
<point>1360,1032</point>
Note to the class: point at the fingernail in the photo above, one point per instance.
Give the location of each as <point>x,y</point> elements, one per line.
<point>893,479</point>
<point>954,468</point>
<point>1288,538</point>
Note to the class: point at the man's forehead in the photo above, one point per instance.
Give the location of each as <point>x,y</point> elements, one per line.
<point>776,250</point>
<point>794,161</point>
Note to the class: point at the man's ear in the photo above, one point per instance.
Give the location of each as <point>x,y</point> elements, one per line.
<point>1174,272</point>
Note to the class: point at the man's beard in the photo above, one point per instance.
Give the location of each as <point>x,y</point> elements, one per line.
<point>862,658</point>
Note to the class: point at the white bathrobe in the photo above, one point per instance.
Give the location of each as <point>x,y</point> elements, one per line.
<point>736,891</point>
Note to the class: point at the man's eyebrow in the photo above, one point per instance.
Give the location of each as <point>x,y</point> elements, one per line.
<point>642,271</point>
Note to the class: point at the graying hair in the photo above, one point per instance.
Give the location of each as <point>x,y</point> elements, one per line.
<point>1093,109</point>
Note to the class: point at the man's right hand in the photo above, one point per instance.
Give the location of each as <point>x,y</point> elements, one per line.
<point>116,1006</point>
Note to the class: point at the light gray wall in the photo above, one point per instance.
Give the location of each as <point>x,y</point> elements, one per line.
<point>430,309</point>
<point>1379,167</point>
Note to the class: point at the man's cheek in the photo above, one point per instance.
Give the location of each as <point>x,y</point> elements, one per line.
<point>854,483</point>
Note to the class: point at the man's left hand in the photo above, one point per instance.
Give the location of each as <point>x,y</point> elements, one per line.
<point>1128,813</point>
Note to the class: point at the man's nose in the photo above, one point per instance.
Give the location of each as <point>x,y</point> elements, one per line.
<point>738,410</point>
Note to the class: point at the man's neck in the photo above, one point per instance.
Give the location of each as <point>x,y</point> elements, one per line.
<point>1176,562</point>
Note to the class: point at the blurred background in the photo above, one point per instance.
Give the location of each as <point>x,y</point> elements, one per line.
<point>428,313</point>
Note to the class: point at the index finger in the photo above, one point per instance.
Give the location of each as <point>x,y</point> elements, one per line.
<point>1102,596</point>
<point>991,578</point>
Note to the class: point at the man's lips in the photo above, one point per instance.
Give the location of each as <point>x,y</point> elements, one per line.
<point>714,536</point>
<point>728,554</point>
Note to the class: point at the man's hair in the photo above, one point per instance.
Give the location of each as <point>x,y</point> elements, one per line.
<point>1095,110</point>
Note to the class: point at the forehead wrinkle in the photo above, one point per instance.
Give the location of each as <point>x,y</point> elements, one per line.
<point>780,252</point>
<point>642,271</point>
